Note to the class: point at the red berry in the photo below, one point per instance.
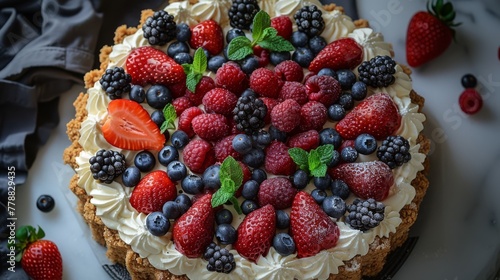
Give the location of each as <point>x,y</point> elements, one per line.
<point>180,104</point>
<point>262,55</point>
<point>293,90</point>
<point>208,35</point>
<point>343,53</point>
<point>154,189</point>
<point>307,140</point>
<point>205,85</point>
<point>277,191</point>
<point>186,118</point>
<point>210,127</point>
<point>283,25</point>
<point>178,89</point>
<point>265,83</point>
<point>220,101</point>
<point>324,89</point>
<point>198,155</point>
<point>231,77</point>
<point>289,70</point>
<point>470,101</point>
<point>313,115</point>
<point>270,103</point>
<point>224,148</point>
<point>278,161</point>
<point>286,115</point>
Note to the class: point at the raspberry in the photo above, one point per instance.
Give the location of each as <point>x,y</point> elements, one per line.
<point>177,89</point>
<point>278,161</point>
<point>186,118</point>
<point>307,140</point>
<point>270,103</point>
<point>180,104</point>
<point>231,77</point>
<point>289,70</point>
<point>278,191</point>
<point>265,83</point>
<point>262,55</point>
<point>283,24</point>
<point>293,90</point>
<point>286,115</point>
<point>313,115</point>
<point>224,148</point>
<point>210,127</point>
<point>205,85</point>
<point>324,89</point>
<point>220,101</point>
<point>198,155</point>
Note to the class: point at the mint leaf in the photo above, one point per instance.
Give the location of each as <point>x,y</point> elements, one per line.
<point>194,72</point>
<point>200,61</point>
<point>261,21</point>
<point>236,205</point>
<point>231,169</point>
<point>325,153</point>
<point>300,157</point>
<point>276,44</point>
<point>239,48</point>
<point>319,171</point>
<point>220,197</point>
<point>268,33</point>
<point>192,79</point>
<point>228,185</point>
<point>170,115</point>
<point>313,160</point>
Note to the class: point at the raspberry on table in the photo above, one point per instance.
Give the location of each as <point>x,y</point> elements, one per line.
<point>313,115</point>
<point>277,160</point>
<point>289,70</point>
<point>293,90</point>
<point>220,101</point>
<point>283,24</point>
<point>210,127</point>
<point>198,155</point>
<point>231,77</point>
<point>286,115</point>
<point>306,140</point>
<point>265,83</point>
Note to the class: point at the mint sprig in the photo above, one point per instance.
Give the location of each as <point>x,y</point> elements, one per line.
<point>263,35</point>
<point>194,72</point>
<point>231,178</point>
<point>315,161</point>
<point>170,115</point>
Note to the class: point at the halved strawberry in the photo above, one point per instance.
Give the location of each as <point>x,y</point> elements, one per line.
<point>376,115</point>
<point>207,34</point>
<point>129,127</point>
<point>344,53</point>
<point>154,189</point>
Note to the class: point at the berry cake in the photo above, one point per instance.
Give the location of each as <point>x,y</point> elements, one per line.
<point>248,140</point>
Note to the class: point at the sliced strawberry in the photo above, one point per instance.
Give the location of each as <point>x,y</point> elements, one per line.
<point>371,179</point>
<point>129,127</point>
<point>208,35</point>
<point>311,228</point>
<point>344,53</point>
<point>256,232</point>
<point>154,189</point>
<point>376,115</point>
<point>148,65</point>
<point>195,229</point>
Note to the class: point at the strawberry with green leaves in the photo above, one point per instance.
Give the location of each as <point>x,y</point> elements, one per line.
<point>430,33</point>
<point>40,258</point>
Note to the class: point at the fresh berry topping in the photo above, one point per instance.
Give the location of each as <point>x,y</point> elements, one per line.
<point>192,184</point>
<point>365,144</point>
<point>366,179</point>
<point>177,47</point>
<point>233,33</point>
<point>223,216</point>
<point>346,78</point>
<point>255,233</point>
<point>180,104</point>
<point>340,188</point>
<point>131,176</point>
<point>249,64</point>
<point>365,214</point>
<point>211,127</point>
<point>289,70</point>
<point>159,28</point>
<point>106,165</point>
<point>316,44</point>
<point>219,101</point>
<point>282,219</point>
<point>205,85</point>
<point>311,228</point>
<point>283,244</point>
<point>45,203</point>
<point>158,96</point>
<point>299,39</point>
<point>250,189</point>
<point>145,161</point>
<point>278,161</point>
<point>330,136</point>
<point>183,202</point>
<point>344,53</point>
<point>215,62</point>
<point>259,175</point>
<point>176,170</point>
<point>469,81</point>
<point>336,112</point>
<point>349,154</point>
<point>293,90</point>
<point>327,72</point>
<point>376,115</point>
<point>231,77</point>
<point>300,179</point>
<point>313,115</point>
<point>318,196</point>
<point>242,12</point>
<point>198,155</point>
<point>183,58</point>
<point>154,189</point>
<point>309,20</point>
<point>265,83</point>
<point>195,229</point>
<point>225,234</point>
<point>224,148</point>
<point>277,134</point>
<point>148,65</point>
<point>254,158</point>
<point>137,93</point>
<point>157,223</point>
<point>278,192</point>
<point>171,210</point>
<point>324,89</point>
<point>378,72</point>
<point>249,114</point>
<point>219,259</point>
<point>283,24</point>
<point>183,32</point>
<point>359,91</point>
<point>334,206</point>
<point>242,143</point>
<point>208,35</point>
<point>323,182</point>
<point>248,206</point>
<point>470,101</point>
<point>303,56</point>
<point>286,115</point>
<point>262,138</point>
<point>179,139</point>
<point>186,118</point>
<point>394,151</point>
<point>115,82</point>
<point>346,101</point>
<point>262,55</point>
<point>306,140</point>
<point>270,103</point>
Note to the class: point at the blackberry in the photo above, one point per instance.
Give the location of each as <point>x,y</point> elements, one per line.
<point>249,114</point>
<point>242,12</point>
<point>309,20</point>
<point>219,259</point>
<point>115,82</point>
<point>160,28</point>
<point>394,151</point>
<point>365,214</point>
<point>378,72</point>
<point>106,165</point>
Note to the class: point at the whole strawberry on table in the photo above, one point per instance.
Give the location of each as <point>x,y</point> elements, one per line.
<point>40,258</point>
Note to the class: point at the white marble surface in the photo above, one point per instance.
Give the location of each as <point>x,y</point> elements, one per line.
<point>458,226</point>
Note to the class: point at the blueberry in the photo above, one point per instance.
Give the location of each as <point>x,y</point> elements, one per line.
<point>327,72</point>
<point>340,188</point>
<point>300,179</point>
<point>192,184</point>
<point>255,158</point>
<point>183,202</point>
<point>223,216</point>
<point>349,154</point>
<point>249,64</point>
<point>167,154</point>
<point>359,91</point>
<point>258,175</point>
<point>225,233</point>
<point>157,117</point>
<point>330,136</point>
<point>177,47</point>
<point>322,183</point>
<point>176,170</point>
<point>334,206</point>
<point>336,112</point>
<point>183,58</point>
<point>157,223</point>
<point>248,92</point>
<point>171,210</point>
<point>299,39</point>
<point>137,94</point>
<point>215,62</point>
<point>250,189</point>
<point>210,177</point>
<point>282,219</point>
<point>365,144</point>
<point>346,101</point>
<point>45,203</point>
<point>303,56</point>
<point>277,134</point>
<point>182,32</point>
<point>158,96</point>
<point>145,161</point>
<point>317,43</point>
<point>283,244</point>
<point>335,159</point>
<point>179,139</point>
<point>242,143</point>
<point>224,52</point>
<point>346,78</point>
<point>469,81</point>
<point>318,195</point>
<point>131,176</point>
<point>277,57</point>
<point>262,138</point>
<point>247,206</point>
<point>233,33</point>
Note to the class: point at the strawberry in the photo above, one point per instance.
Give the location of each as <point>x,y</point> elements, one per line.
<point>153,190</point>
<point>370,179</point>
<point>310,227</point>
<point>429,33</point>
<point>256,232</point>
<point>148,65</point>
<point>129,126</point>
<point>195,229</point>
<point>376,115</point>
<point>40,258</point>
<point>208,35</point>
<point>344,53</point>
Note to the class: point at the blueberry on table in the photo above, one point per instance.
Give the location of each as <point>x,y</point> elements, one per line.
<point>336,112</point>
<point>346,78</point>
<point>340,188</point>
<point>258,175</point>
<point>45,203</point>
<point>250,189</point>
<point>157,117</point>
<point>322,183</point>
<point>349,154</point>
<point>242,143</point>
<point>137,94</point>
<point>183,32</point>
<point>247,206</point>
<point>282,219</point>
<point>176,170</point>
<point>318,195</point>
<point>177,47</point>
<point>469,81</point>
<point>171,210</point>
<point>300,179</point>
<point>183,202</point>
<point>359,91</point>
<point>303,56</point>
<point>210,177</point>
